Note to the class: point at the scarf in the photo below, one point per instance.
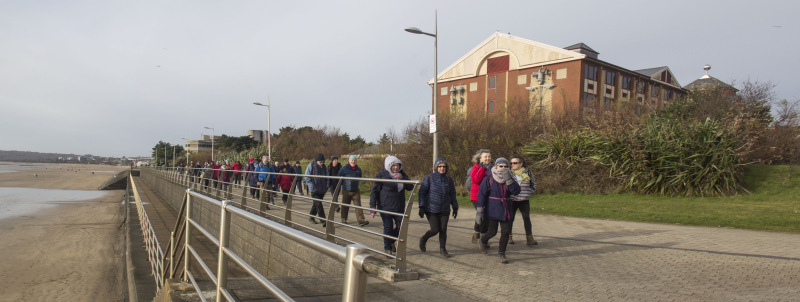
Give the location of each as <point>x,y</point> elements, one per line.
<point>397,176</point>
<point>353,167</point>
<point>522,173</point>
<point>496,174</point>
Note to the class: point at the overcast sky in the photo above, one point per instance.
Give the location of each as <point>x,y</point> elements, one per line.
<point>112,78</point>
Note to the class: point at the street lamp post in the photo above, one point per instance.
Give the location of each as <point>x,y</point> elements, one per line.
<point>186,150</point>
<point>212,141</point>
<point>435,36</point>
<point>269,131</point>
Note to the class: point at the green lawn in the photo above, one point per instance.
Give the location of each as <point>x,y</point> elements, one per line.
<point>773,204</point>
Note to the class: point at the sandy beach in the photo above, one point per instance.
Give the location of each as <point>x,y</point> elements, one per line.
<point>60,245</point>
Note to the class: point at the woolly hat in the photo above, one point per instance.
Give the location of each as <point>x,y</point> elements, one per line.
<point>320,157</point>
<point>501,160</point>
<point>286,160</point>
<point>251,159</point>
<point>334,158</point>
<point>352,157</point>
<point>297,162</point>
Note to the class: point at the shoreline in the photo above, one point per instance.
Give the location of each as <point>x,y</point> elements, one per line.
<point>73,248</point>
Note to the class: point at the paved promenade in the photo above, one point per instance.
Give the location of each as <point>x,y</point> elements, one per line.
<point>587,259</point>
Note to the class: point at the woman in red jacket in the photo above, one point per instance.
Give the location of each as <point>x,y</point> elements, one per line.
<point>284,181</point>
<point>482,165</point>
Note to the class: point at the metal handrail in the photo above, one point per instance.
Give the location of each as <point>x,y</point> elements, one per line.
<point>352,256</point>
<point>154,253</point>
<point>182,178</point>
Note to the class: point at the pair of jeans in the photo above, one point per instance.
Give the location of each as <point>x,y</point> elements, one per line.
<point>525,209</point>
<point>438,222</point>
<point>298,184</point>
<point>317,208</point>
<point>391,227</point>
<point>505,231</point>
<point>355,198</point>
<point>477,228</point>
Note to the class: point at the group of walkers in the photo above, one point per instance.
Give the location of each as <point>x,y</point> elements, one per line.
<point>497,191</point>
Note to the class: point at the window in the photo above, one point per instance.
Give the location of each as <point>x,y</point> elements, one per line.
<point>654,90</point>
<point>638,108</point>
<point>611,78</point>
<point>498,64</point>
<point>607,103</point>
<point>490,107</point>
<point>588,100</point>
<point>666,77</point>
<point>667,94</point>
<point>626,82</point>
<point>640,87</point>
<point>491,82</point>
<point>591,72</point>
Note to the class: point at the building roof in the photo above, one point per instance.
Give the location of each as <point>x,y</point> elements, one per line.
<point>707,82</point>
<point>651,71</point>
<point>581,46</point>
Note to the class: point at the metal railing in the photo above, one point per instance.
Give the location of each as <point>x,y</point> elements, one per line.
<point>189,178</point>
<point>155,254</point>
<point>352,256</point>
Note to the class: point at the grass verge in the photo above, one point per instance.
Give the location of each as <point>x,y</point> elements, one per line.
<point>773,204</point>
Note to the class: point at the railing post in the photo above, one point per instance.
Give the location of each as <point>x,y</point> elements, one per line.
<point>402,242</point>
<point>329,229</point>
<point>355,279</point>
<point>186,253</point>
<point>171,254</point>
<point>222,265</point>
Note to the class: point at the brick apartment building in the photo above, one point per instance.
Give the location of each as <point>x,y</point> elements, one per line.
<point>552,80</point>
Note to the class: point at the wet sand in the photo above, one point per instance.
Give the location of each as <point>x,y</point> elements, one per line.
<point>61,248</point>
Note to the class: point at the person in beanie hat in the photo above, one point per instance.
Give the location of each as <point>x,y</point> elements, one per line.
<point>317,186</point>
<point>297,169</point>
<point>350,190</point>
<point>333,169</point>
<point>436,195</point>
<point>495,205</point>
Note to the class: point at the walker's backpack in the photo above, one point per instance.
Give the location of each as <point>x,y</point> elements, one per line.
<point>468,183</point>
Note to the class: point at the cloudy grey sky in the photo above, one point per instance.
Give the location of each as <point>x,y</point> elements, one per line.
<point>112,78</point>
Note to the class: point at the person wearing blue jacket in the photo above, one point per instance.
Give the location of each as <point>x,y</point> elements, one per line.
<point>317,186</point>
<point>436,195</point>
<point>350,191</point>
<point>263,179</point>
<point>495,206</point>
<point>390,197</point>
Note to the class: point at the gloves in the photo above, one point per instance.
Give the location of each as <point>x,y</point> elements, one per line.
<point>372,214</point>
<point>479,216</point>
<point>508,176</point>
<point>421,212</point>
<point>455,213</point>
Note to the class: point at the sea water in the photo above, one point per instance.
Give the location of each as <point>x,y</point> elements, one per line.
<point>16,202</point>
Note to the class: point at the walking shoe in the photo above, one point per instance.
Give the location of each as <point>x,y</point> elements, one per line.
<point>444,253</point>
<point>363,223</point>
<point>510,239</point>
<point>503,258</point>
<point>475,237</point>
<point>394,247</point>
<point>324,224</point>
<point>530,240</point>
<point>338,209</point>
<point>344,221</point>
<point>484,248</point>
<point>312,220</point>
<point>388,252</point>
<point>422,241</point>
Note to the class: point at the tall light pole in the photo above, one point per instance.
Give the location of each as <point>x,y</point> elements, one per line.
<point>186,150</point>
<point>173,154</point>
<point>165,154</point>
<point>435,36</point>
<point>269,131</point>
<point>212,141</point>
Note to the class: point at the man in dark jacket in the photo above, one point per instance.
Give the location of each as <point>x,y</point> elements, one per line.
<point>317,186</point>
<point>350,191</point>
<point>333,169</point>
<point>299,182</point>
<point>391,197</point>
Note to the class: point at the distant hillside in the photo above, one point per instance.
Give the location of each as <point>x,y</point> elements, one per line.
<point>34,156</point>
